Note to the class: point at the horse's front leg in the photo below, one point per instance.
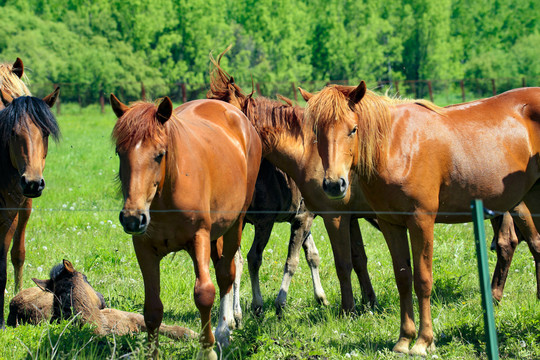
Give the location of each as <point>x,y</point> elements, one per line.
<point>8,224</point>
<point>18,250</point>
<point>359,260</point>
<point>421,232</point>
<point>263,229</point>
<point>398,244</point>
<point>204,291</point>
<point>225,275</point>
<point>153,308</point>
<point>338,229</point>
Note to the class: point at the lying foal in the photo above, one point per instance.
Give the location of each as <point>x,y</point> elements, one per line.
<point>68,293</point>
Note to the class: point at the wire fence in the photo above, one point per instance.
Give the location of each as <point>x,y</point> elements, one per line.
<point>442,92</point>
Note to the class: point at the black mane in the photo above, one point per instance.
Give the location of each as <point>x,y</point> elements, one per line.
<point>36,109</point>
<point>15,115</point>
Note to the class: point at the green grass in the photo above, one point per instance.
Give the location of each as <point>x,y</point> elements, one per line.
<point>83,228</point>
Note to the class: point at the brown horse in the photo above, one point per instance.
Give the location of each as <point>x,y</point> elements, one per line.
<point>194,170</point>
<point>418,164</point>
<point>291,149</point>
<point>25,125</point>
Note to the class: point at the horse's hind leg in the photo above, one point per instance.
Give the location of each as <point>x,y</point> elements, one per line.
<point>263,229</point>
<point>7,229</point>
<point>505,244</point>
<point>359,260</point>
<point>527,227</point>
<point>225,276</point>
<point>237,309</point>
<point>18,250</point>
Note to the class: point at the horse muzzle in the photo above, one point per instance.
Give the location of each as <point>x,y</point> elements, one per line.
<point>32,188</point>
<point>335,189</point>
<point>134,222</point>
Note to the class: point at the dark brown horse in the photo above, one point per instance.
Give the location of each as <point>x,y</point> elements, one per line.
<point>418,164</point>
<point>278,199</point>
<point>293,150</point>
<point>193,169</point>
<point>25,125</point>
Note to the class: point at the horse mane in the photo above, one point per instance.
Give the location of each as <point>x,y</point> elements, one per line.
<point>272,119</point>
<point>332,104</point>
<point>11,83</point>
<point>138,124</point>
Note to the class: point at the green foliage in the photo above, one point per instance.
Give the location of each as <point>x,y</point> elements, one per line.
<point>113,45</point>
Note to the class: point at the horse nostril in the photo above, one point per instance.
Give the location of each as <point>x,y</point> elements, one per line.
<point>42,184</point>
<point>325,184</point>
<point>342,183</point>
<point>144,220</point>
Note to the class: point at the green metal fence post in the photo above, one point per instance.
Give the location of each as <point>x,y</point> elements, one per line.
<point>483,270</point>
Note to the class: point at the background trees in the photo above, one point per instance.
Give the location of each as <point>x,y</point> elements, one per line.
<point>107,44</point>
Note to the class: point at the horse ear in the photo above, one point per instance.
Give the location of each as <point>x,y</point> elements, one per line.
<point>357,94</point>
<point>6,98</point>
<point>18,68</point>
<point>68,266</point>
<point>45,285</point>
<point>164,111</point>
<point>305,94</point>
<point>51,98</point>
<point>117,106</point>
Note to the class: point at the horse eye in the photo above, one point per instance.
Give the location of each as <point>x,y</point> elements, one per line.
<point>159,158</point>
<point>353,131</point>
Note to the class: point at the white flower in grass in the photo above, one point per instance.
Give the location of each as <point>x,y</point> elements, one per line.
<point>64,206</point>
<point>102,222</point>
<point>40,269</point>
<point>114,226</point>
<point>71,208</point>
<point>88,227</point>
<point>70,189</point>
<point>44,248</point>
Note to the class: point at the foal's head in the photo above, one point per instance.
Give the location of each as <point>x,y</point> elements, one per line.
<point>26,123</point>
<point>72,292</point>
<point>141,145</point>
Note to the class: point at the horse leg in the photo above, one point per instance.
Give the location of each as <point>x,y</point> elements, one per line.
<point>263,229</point>
<point>7,229</point>
<point>421,232</point>
<point>237,308</point>
<point>359,260</point>
<point>225,275</point>
<point>338,229</point>
<point>18,251</point>
<point>204,291</point>
<point>528,229</point>
<point>313,259</point>
<point>153,308</point>
<point>505,244</point>
<point>398,244</point>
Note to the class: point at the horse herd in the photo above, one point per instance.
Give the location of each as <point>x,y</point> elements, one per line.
<point>402,164</point>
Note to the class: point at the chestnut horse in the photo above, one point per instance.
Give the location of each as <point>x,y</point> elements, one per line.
<point>292,150</point>
<point>193,169</point>
<point>25,125</point>
<point>418,164</point>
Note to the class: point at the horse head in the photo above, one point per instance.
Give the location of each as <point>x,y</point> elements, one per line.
<point>26,123</point>
<point>141,146</point>
<point>332,117</point>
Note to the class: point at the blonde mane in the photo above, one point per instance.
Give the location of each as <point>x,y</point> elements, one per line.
<point>11,83</point>
<point>332,105</point>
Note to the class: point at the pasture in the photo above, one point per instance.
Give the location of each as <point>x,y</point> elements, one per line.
<point>76,218</point>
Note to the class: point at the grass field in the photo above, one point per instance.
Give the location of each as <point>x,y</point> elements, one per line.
<point>76,218</point>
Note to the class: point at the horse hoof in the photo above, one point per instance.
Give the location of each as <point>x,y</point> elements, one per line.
<point>257,311</point>
<point>402,347</point>
<point>418,350</point>
<point>207,354</point>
